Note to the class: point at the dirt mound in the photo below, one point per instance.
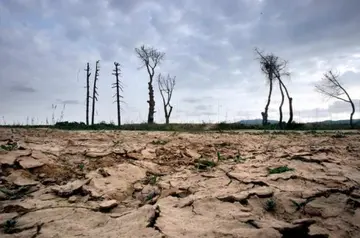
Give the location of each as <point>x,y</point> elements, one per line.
<point>156,184</point>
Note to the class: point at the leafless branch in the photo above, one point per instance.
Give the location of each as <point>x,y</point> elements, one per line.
<point>166,87</point>
<point>331,87</point>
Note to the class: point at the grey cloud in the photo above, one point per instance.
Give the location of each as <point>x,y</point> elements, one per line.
<point>203,107</point>
<point>68,102</point>
<point>22,89</point>
<point>341,107</point>
<point>196,99</point>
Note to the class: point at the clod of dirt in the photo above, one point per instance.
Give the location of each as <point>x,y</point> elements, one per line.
<point>192,154</point>
<point>9,158</point>
<point>72,199</point>
<point>106,206</point>
<point>3,196</point>
<point>27,162</point>
<point>18,178</point>
<point>70,188</point>
<point>103,172</point>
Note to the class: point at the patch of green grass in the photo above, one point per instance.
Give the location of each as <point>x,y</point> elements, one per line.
<point>298,205</point>
<point>203,164</point>
<point>270,205</point>
<point>152,180</point>
<point>9,146</point>
<point>219,156</point>
<point>239,159</point>
<point>82,166</point>
<point>159,142</point>
<point>279,170</point>
<point>339,134</point>
<point>9,226</point>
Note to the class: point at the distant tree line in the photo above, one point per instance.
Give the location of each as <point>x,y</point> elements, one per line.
<point>274,69</point>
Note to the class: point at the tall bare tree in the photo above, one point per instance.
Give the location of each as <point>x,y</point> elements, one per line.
<point>278,75</point>
<point>150,58</point>
<point>281,105</point>
<point>274,68</point>
<point>331,87</point>
<point>95,93</point>
<point>88,73</point>
<point>166,87</point>
<point>119,88</point>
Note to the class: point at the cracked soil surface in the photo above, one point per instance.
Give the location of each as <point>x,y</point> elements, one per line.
<point>168,184</point>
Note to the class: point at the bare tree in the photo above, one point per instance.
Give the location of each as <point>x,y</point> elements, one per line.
<point>331,87</point>
<point>281,105</point>
<point>119,88</point>
<point>88,73</point>
<point>166,87</point>
<point>95,93</point>
<point>274,68</point>
<point>150,58</point>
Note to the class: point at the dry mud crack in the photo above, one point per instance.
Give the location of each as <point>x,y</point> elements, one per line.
<point>156,184</point>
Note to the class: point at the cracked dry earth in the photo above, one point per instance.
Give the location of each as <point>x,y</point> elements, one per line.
<point>156,184</point>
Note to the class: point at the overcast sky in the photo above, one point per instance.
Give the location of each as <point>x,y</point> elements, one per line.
<point>209,46</point>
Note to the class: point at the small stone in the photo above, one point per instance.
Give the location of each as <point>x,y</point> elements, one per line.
<point>193,154</point>
<point>42,175</point>
<point>48,181</point>
<point>70,188</point>
<point>108,205</point>
<point>72,199</point>
<point>138,186</point>
<point>262,192</point>
<point>304,221</point>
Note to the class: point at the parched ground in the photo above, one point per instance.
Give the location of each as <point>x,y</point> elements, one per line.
<point>169,184</point>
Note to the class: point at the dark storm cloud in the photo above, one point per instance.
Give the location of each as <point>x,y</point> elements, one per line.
<point>209,47</point>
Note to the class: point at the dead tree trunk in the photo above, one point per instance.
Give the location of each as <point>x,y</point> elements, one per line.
<point>281,105</point>
<point>117,85</point>
<point>88,73</point>
<point>166,87</point>
<point>95,93</point>
<point>291,112</point>
<point>265,113</point>
<point>150,58</point>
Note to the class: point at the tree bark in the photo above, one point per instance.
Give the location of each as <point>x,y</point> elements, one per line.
<point>352,114</point>
<point>291,112</point>
<point>151,102</point>
<point>94,98</point>
<point>280,107</point>
<point>265,113</point>
<point>87,92</point>
<point>118,94</point>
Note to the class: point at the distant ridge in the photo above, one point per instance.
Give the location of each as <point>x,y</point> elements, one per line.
<point>259,122</point>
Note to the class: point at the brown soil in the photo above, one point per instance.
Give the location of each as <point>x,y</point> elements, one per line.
<point>169,184</point>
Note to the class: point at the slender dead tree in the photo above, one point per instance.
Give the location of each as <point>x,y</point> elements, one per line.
<point>119,88</point>
<point>278,75</point>
<point>267,67</point>
<point>331,87</point>
<point>281,105</point>
<point>274,68</point>
<point>166,87</point>
<point>95,93</point>
<point>88,73</point>
<point>150,57</point>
